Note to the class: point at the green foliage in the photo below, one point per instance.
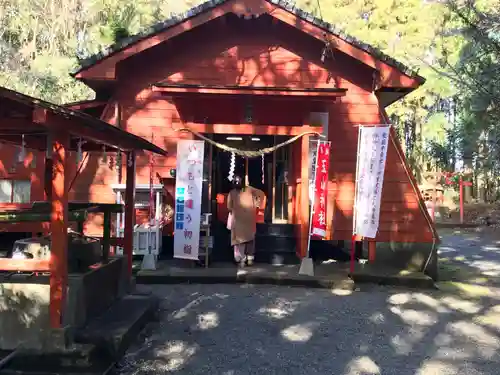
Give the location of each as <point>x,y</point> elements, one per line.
<point>454,45</point>
<point>41,40</point>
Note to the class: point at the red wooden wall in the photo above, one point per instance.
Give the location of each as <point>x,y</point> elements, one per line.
<point>228,53</point>
<point>283,58</point>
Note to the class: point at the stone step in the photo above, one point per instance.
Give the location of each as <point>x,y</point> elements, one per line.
<point>81,360</point>
<point>114,331</point>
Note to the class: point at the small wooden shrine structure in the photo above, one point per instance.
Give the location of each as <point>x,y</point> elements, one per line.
<point>38,125</point>
<point>262,72</point>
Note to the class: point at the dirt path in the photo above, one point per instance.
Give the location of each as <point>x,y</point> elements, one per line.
<point>470,256</point>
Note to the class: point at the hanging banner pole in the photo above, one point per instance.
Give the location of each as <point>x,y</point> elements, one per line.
<point>306,265</point>
<point>311,211</point>
<point>320,191</point>
<point>353,239</point>
<point>188,188</point>
<point>371,159</point>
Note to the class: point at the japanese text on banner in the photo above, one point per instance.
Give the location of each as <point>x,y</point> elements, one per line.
<point>370,171</point>
<point>188,188</point>
<point>319,219</point>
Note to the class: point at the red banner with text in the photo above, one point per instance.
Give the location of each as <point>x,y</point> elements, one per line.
<point>320,190</point>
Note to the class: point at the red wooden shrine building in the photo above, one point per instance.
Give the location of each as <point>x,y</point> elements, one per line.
<point>251,74</point>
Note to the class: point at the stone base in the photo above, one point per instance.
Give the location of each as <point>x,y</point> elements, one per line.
<point>24,306</point>
<point>420,257</point>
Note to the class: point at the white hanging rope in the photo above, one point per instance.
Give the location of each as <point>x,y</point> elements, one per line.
<point>248,153</point>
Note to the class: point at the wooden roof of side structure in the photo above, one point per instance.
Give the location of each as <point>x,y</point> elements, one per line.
<point>28,119</point>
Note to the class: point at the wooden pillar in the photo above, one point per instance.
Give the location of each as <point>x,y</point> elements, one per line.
<point>47,183</point>
<point>128,245</point>
<point>106,236</point>
<point>372,245</point>
<point>59,229</point>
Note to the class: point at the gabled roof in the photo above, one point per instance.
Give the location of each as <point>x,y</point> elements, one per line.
<point>211,4</point>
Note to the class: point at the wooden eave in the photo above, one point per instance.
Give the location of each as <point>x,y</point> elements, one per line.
<point>287,92</point>
<point>392,73</point>
<point>85,104</point>
<point>22,116</point>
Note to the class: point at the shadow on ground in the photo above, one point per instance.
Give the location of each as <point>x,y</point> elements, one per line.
<point>232,330</point>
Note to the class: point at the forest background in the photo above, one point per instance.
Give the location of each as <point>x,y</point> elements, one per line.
<point>450,124</point>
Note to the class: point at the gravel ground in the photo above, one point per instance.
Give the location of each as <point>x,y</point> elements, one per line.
<point>234,330</point>
<point>473,250</point>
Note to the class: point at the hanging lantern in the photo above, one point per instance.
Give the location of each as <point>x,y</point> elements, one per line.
<point>22,152</point>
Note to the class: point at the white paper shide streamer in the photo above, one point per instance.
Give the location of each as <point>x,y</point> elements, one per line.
<point>262,169</point>
<point>232,167</point>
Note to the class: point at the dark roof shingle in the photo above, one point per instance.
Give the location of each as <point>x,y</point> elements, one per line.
<point>210,4</point>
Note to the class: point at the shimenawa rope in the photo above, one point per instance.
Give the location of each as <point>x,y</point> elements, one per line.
<point>248,153</point>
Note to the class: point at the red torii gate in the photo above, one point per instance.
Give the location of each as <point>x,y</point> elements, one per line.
<point>43,126</point>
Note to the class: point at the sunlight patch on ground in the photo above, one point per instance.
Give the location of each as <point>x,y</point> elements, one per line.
<point>487,344</point>
<point>183,312</point>
<point>488,268</point>
<point>298,332</point>
<point>280,309</point>
<point>377,318</point>
<point>430,302</point>
<point>415,317</point>
<point>362,365</point>
<point>403,344</point>
<point>467,290</point>
<point>400,298</point>
<point>491,318</point>
<point>490,248</point>
<point>341,292</point>
<point>446,249</point>
<point>461,305</point>
<point>172,356</point>
<point>446,348</point>
<point>208,320</point>
<point>434,367</point>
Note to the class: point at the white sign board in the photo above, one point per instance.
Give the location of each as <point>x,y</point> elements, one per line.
<point>313,150</point>
<point>188,188</point>
<point>372,153</point>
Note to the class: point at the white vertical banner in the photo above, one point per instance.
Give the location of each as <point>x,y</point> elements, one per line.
<point>372,154</point>
<point>188,188</point>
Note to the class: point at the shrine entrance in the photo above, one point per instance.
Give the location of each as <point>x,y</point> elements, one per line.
<point>268,173</point>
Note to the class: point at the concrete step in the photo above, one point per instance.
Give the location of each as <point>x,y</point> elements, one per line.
<point>81,360</point>
<point>114,331</point>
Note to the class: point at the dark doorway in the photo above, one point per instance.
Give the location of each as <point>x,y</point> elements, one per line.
<point>266,174</point>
